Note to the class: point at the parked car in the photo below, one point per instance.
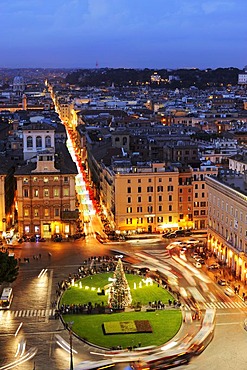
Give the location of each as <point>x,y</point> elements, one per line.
<point>229,292</point>
<point>222,282</point>
<point>214,266</point>
<point>197,265</point>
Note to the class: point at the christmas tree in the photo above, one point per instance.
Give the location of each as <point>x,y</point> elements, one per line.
<point>119,296</point>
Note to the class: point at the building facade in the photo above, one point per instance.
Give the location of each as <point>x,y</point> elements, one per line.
<point>227,221</point>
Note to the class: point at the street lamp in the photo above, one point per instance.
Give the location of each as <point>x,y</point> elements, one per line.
<point>69,326</point>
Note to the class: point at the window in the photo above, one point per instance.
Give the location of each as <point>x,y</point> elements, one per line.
<point>128,221</point>
<point>149,180</point>
<point>150,220</point>
<point>181,216</point>
<point>46,212</point>
<point>196,213</point>
<point>139,180</point>
<point>203,204</point>
<point>26,212</point>
<point>36,212</point>
<point>129,209</point>
<point>48,141</point>
<point>38,142</point>
<point>203,186</point>
<point>196,195</point>
<point>150,198</point>
<point>160,179</point>
<point>139,199</point>
<point>160,219</point>
<point>29,142</point>
<point>129,181</point>
<point>56,212</point>
<point>66,179</point>
<point>196,204</point>
<point>170,179</point>
<point>203,195</point>
<point>139,209</point>
<point>160,198</point>
<point>55,178</point>
<point>46,193</point>
<point>170,218</point>
<point>129,200</point>
<point>36,193</point>
<point>25,180</point>
<point>150,209</point>
<point>170,188</point>
<point>170,198</point>
<point>56,192</point>
<point>139,220</point>
<point>170,208</point>
<point>180,199</point>
<point>160,208</point>
<point>160,188</point>
<point>35,179</point>
<point>149,189</point>
<point>189,199</point>
<point>66,192</point>
<point>196,186</point>
<point>25,193</point>
<point>180,191</point>
<point>139,189</point>
<point>128,190</point>
<point>203,212</point>
<point>45,179</point>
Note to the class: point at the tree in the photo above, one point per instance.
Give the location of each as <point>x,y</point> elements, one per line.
<point>8,268</point>
<point>119,296</point>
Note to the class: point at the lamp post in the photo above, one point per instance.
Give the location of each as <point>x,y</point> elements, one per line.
<point>69,325</point>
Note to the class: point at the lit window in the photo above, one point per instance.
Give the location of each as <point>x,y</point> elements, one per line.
<point>26,212</point>
<point>46,212</point>
<point>55,178</point>
<point>129,209</point>
<point>46,193</point>
<point>66,192</point>
<point>36,193</point>
<point>36,212</point>
<point>56,192</point>
<point>45,179</point>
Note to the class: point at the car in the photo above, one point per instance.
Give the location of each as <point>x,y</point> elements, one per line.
<point>192,241</point>
<point>222,282</point>
<point>229,292</point>
<point>197,265</point>
<point>214,266</point>
<point>201,260</point>
<point>171,235</point>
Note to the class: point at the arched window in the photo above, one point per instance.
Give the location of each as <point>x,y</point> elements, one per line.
<point>38,142</point>
<point>47,141</point>
<point>29,142</point>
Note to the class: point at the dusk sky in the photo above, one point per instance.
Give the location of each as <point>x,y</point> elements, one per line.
<point>123,33</point>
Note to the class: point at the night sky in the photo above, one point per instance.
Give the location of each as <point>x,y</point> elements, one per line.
<point>123,33</point>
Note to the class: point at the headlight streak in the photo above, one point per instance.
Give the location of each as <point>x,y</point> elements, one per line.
<point>28,356</point>
<point>64,345</point>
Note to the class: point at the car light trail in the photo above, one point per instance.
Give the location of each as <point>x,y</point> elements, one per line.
<point>64,345</point>
<point>18,329</point>
<point>28,356</point>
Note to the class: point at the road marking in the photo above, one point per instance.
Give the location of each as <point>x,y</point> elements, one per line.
<point>31,312</point>
<point>20,313</point>
<point>16,313</point>
<point>35,313</point>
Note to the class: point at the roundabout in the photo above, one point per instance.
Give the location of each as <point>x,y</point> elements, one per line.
<point>153,317</point>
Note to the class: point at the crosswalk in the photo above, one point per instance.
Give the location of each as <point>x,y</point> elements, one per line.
<point>220,305</point>
<point>30,313</point>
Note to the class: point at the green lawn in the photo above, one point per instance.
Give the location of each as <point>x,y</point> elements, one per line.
<point>165,323</point>
<point>83,295</point>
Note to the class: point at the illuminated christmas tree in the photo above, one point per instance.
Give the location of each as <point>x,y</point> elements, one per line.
<point>119,296</point>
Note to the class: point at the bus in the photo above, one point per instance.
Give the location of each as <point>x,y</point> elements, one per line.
<point>6,298</point>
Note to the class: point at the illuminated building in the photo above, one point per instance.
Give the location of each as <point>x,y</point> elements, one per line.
<point>227,220</point>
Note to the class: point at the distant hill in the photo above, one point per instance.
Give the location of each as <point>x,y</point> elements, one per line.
<point>179,78</point>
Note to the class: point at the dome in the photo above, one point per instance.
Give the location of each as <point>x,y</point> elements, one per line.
<point>18,83</point>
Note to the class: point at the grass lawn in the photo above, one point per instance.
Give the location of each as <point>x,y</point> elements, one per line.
<point>165,323</point>
<point>85,294</point>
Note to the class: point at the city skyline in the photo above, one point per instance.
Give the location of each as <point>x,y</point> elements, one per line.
<point>123,33</point>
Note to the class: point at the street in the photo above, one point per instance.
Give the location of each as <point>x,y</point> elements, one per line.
<point>35,294</point>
